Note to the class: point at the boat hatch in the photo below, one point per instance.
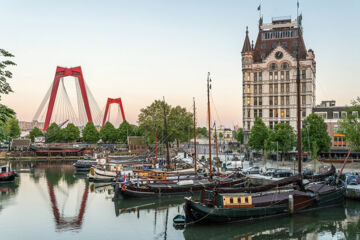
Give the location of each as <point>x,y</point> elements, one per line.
<point>237,201</point>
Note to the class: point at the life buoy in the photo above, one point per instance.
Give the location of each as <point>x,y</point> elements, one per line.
<point>123,187</point>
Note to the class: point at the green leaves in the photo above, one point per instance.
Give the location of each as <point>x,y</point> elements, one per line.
<point>90,134</point>
<point>239,135</point>
<point>5,75</point>
<point>71,133</point>
<point>283,135</point>
<point>350,125</point>
<point>36,132</point>
<point>314,135</point>
<point>258,136</point>
<point>12,128</point>
<point>108,133</point>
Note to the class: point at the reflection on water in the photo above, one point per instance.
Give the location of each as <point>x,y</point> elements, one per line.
<point>55,202</point>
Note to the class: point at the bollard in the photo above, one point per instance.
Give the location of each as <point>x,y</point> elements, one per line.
<point>291,204</point>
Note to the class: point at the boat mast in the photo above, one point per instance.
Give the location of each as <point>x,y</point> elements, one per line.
<point>298,98</point>
<point>195,156</point>
<point>166,136</point>
<point>217,152</point>
<point>208,96</point>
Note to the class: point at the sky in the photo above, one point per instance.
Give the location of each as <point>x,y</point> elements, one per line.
<point>142,50</point>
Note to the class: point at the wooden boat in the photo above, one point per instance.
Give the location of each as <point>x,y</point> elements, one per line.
<point>6,174</point>
<point>85,164</point>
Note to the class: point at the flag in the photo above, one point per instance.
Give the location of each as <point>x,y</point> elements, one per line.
<point>259,7</point>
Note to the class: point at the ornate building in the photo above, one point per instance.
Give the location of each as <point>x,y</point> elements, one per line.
<point>269,74</point>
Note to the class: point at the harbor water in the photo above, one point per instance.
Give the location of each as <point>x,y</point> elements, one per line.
<point>54,202</point>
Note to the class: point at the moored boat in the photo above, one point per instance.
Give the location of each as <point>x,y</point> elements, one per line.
<point>6,174</point>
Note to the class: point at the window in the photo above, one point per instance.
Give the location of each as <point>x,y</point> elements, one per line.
<point>270,101</point>
<point>263,46</point>
<point>282,88</point>
<point>248,125</point>
<point>274,45</point>
<point>255,89</point>
<point>271,125</point>
<point>248,88</point>
<point>303,100</point>
<point>248,113</point>
<point>231,200</point>
<point>260,113</point>
<point>260,101</point>
<point>303,74</point>
<point>248,101</point>
<point>260,76</point>
<point>335,115</point>
<point>295,44</point>
<point>287,100</point>
<point>323,115</point>
<point>273,66</point>
<point>343,114</point>
<point>255,113</point>
<point>287,88</point>
<point>284,44</point>
<point>287,75</point>
<point>270,88</point>
<point>276,113</point>
<point>260,88</point>
<point>284,66</point>
<point>239,200</point>
<point>294,53</point>
<point>248,77</point>
<point>246,199</point>
<point>255,101</point>
<point>275,100</point>
<point>303,87</point>
<point>263,55</point>
<point>282,114</point>
<point>282,75</point>
<point>287,113</point>
<point>271,113</point>
<point>303,112</point>
<point>276,75</point>
<point>282,100</point>
<point>255,77</point>
<point>271,76</point>
<point>355,113</point>
<point>275,88</point>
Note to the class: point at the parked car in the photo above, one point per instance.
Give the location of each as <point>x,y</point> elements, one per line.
<point>269,171</point>
<point>252,170</point>
<point>282,173</point>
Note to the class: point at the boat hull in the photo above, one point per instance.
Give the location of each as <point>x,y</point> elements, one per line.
<point>7,177</point>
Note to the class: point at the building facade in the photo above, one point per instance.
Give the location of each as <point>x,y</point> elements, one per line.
<point>270,71</point>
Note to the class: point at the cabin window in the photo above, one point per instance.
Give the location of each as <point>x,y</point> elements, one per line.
<point>239,200</point>
<point>246,199</point>
<point>231,200</point>
<point>3,169</point>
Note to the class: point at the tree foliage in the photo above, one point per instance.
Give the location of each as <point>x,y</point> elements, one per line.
<point>36,132</point>
<point>239,135</point>
<point>179,121</point>
<point>314,135</point>
<point>12,128</point>
<point>125,130</point>
<point>282,138</point>
<point>201,132</point>
<point>350,125</point>
<point>258,135</point>
<point>71,133</point>
<point>108,133</point>
<point>90,134</point>
<point>54,133</point>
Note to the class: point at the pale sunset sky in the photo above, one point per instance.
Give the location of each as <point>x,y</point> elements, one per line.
<point>144,50</point>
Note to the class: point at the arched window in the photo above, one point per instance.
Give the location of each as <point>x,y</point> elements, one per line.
<point>273,66</point>
<point>284,66</point>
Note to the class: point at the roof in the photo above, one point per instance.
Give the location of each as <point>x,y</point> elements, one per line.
<point>265,46</point>
<point>247,45</point>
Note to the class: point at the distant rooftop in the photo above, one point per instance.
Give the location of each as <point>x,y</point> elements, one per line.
<point>283,19</point>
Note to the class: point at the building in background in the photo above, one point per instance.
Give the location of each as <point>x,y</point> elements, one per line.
<point>269,74</point>
<point>28,126</point>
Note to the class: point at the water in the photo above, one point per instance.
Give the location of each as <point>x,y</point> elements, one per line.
<point>52,202</point>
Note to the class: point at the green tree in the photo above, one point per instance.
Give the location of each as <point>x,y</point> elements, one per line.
<point>5,88</point>
<point>12,128</point>
<point>240,136</point>
<point>202,132</point>
<point>180,124</point>
<point>54,134</point>
<point>90,134</point>
<point>151,118</point>
<point>350,126</point>
<point>314,136</point>
<point>108,133</point>
<point>258,135</point>
<point>36,132</point>
<point>125,129</point>
<point>221,135</point>
<point>283,135</point>
<point>71,133</point>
